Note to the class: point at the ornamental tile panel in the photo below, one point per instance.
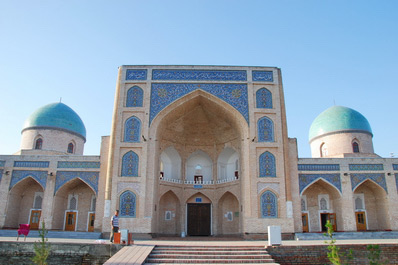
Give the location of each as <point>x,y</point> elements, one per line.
<point>396,180</point>
<point>263,99</point>
<point>366,167</point>
<point>395,166</point>
<point>127,204</point>
<point>319,167</point>
<point>43,164</point>
<point>78,164</point>
<point>2,163</point>
<point>262,76</point>
<point>90,178</point>
<point>200,75</point>
<point>265,186</point>
<point>39,176</point>
<point>307,179</point>
<point>135,97</point>
<point>267,165</point>
<point>378,178</point>
<point>132,130</point>
<point>269,205</point>
<point>265,130</point>
<point>130,165</point>
<point>164,94</point>
<point>136,74</point>
<point>134,186</point>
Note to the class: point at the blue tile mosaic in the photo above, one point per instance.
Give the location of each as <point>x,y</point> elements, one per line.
<point>262,76</point>
<point>39,176</point>
<point>2,163</point>
<point>78,164</point>
<point>135,97</point>
<point>43,164</point>
<point>378,178</point>
<point>136,74</point>
<point>395,166</point>
<point>366,167</point>
<point>90,178</point>
<point>132,130</point>
<point>396,180</point>
<point>307,179</point>
<point>130,164</point>
<point>263,99</point>
<point>265,130</point>
<point>164,94</point>
<point>269,205</point>
<point>319,167</point>
<point>267,165</point>
<point>200,75</point>
<point>127,204</point>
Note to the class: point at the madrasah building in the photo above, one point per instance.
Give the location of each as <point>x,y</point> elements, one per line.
<point>198,150</point>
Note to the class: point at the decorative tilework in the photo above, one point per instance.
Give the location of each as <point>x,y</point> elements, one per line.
<point>2,163</point>
<point>265,130</point>
<point>267,165</point>
<point>266,186</point>
<point>396,180</point>
<point>196,75</point>
<point>31,164</point>
<point>130,164</point>
<point>395,166</point>
<point>127,204</point>
<point>18,175</point>
<point>90,178</point>
<point>269,205</point>
<point>263,76</point>
<point>378,178</point>
<point>135,96</point>
<point>134,74</point>
<point>263,99</point>
<point>319,167</point>
<point>164,94</point>
<point>78,164</point>
<point>134,186</point>
<point>132,130</point>
<point>307,179</point>
<point>365,167</point>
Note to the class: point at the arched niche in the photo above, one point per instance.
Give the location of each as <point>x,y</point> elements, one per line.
<point>228,214</point>
<point>199,167</point>
<point>170,161</point>
<point>169,216</point>
<point>228,164</point>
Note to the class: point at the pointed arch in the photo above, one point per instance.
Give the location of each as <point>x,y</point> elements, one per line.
<point>135,96</point>
<point>228,214</point>
<point>355,146</point>
<point>265,130</point>
<point>39,143</point>
<point>127,204</point>
<point>263,98</point>
<point>170,163</point>
<point>269,205</point>
<point>169,214</point>
<point>199,163</point>
<point>267,165</point>
<point>228,164</point>
<point>89,178</point>
<point>132,130</point>
<point>130,164</point>
<point>38,176</point>
<point>332,180</point>
<point>71,148</point>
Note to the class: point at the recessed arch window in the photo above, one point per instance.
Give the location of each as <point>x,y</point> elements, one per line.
<point>134,97</point>
<point>355,147</point>
<point>127,204</point>
<point>267,165</point>
<point>132,130</point>
<point>71,148</point>
<point>358,204</point>
<point>269,205</point>
<point>39,144</point>
<point>265,130</point>
<point>324,150</point>
<point>263,98</point>
<point>130,164</point>
<point>38,202</point>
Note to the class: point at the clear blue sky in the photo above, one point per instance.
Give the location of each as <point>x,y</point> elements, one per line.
<point>330,52</point>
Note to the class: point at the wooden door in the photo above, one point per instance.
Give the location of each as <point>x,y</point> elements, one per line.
<point>328,216</point>
<point>361,221</point>
<point>70,222</point>
<point>304,217</point>
<point>91,219</point>
<point>199,219</point>
<point>35,219</point>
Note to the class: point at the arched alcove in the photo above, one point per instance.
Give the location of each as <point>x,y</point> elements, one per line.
<point>228,164</point>
<point>171,163</point>
<point>169,216</point>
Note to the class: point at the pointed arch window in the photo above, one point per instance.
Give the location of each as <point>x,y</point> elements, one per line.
<point>71,148</point>
<point>323,204</point>
<point>267,165</point>
<point>324,150</point>
<point>130,164</point>
<point>265,130</point>
<point>269,205</point>
<point>39,144</point>
<point>73,203</point>
<point>38,202</point>
<point>127,204</point>
<point>358,204</point>
<point>132,130</point>
<point>263,99</point>
<point>355,147</point>
<point>134,97</point>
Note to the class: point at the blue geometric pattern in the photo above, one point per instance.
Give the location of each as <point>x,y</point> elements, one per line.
<point>78,164</point>
<point>263,99</point>
<point>306,179</point>
<point>18,175</point>
<point>133,74</point>
<point>264,76</point>
<point>265,129</point>
<point>267,165</point>
<point>132,130</point>
<point>127,204</point>
<point>164,94</point>
<point>319,167</point>
<point>90,178</point>
<point>135,96</point>
<point>31,164</point>
<point>196,75</point>
<point>394,166</point>
<point>378,178</point>
<point>269,205</point>
<point>130,164</point>
<point>365,167</point>
<point>2,163</point>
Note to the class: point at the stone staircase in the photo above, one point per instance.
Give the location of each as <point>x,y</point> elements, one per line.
<point>53,234</point>
<point>209,255</point>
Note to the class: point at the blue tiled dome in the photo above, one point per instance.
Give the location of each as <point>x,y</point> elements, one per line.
<point>56,116</point>
<point>338,118</point>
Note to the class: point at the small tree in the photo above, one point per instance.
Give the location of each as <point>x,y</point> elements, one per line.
<point>334,255</point>
<point>41,248</point>
<point>374,255</point>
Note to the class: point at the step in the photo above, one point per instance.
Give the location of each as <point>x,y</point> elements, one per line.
<point>220,252</point>
<point>207,261</point>
<point>209,256</point>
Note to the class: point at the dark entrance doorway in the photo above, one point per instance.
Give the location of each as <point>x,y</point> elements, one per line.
<point>325,217</point>
<point>199,219</point>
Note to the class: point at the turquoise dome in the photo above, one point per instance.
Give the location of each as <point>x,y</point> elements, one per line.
<point>338,118</point>
<point>56,116</point>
